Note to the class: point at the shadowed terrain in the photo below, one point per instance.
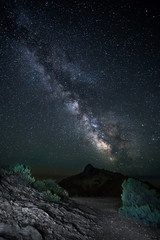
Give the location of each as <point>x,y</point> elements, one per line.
<point>114,226</point>
<point>25,214</point>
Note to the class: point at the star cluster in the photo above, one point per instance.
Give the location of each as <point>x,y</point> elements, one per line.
<point>79,84</point>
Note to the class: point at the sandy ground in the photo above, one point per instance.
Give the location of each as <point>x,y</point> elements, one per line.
<point>114,226</point>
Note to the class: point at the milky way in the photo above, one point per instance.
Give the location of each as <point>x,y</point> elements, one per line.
<point>80,84</point>
<point>102,140</point>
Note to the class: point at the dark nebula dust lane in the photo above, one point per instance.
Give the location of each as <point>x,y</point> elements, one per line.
<point>80,84</point>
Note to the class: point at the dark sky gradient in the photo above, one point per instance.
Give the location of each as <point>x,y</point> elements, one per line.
<point>80,83</point>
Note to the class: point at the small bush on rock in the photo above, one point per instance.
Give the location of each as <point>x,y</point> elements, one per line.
<point>51,197</point>
<point>50,188</point>
<point>24,174</point>
<point>140,203</point>
<point>54,187</point>
<point>40,186</point>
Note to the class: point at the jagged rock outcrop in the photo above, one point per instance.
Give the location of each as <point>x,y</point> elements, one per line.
<point>24,214</point>
<point>93,182</point>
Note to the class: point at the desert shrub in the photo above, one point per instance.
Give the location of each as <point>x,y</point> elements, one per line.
<point>140,202</point>
<point>40,186</point>
<point>56,198</point>
<point>21,168</point>
<point>24,174</point>
<point>55,188</point>
<point>51,190</point>
<point>51,197</point>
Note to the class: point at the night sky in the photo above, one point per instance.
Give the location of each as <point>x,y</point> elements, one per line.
<point>79,84</point>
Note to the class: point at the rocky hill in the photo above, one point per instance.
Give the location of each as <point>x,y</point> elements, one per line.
<point>26,215</point>
<point>93,182</point>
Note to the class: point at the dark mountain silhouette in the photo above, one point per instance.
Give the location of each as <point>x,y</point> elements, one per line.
<point>94,182</point>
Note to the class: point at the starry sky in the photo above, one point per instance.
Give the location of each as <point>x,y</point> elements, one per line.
<point>79,84</point>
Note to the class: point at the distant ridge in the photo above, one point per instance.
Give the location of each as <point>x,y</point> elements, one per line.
<point>94,182</point>
<point>89,169</point>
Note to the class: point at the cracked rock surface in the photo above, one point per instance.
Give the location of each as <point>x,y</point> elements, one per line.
<point>24,214</point>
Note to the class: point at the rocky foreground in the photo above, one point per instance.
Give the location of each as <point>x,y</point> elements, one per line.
<point>25,215</point>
